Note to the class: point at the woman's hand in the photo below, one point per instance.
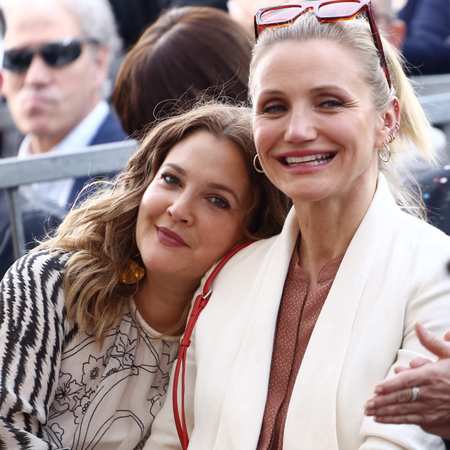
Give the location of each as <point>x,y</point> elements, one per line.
<point>394,401</point>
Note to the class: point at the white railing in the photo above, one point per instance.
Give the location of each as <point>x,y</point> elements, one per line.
<point>93,161</point>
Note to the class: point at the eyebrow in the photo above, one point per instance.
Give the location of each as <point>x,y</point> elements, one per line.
<point>219,186</point>
<point>313,90</point>
<point>272,92</point>
<point>327,87</point>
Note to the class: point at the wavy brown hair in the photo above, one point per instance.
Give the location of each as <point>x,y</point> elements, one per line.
<point>100,233</point>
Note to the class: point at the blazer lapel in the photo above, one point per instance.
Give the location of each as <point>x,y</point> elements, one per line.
<point>245,400</point>
<point>312,412</point>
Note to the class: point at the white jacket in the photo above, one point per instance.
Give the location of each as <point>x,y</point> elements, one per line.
<point>393,273</point>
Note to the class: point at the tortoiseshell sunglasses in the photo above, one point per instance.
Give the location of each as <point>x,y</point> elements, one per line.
<point>329,11</point>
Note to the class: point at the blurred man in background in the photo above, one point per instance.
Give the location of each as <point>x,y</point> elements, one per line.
<point>57,59</point>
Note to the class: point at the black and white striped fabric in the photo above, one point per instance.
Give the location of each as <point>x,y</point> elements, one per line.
<point>59,389</point>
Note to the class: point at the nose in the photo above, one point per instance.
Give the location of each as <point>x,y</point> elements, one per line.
<point>301,126</point>
<point>182,209</point>
<point>39,73</point>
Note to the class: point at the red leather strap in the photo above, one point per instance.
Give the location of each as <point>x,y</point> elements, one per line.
<point>200,302</point>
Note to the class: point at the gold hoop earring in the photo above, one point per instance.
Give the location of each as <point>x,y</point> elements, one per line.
<point>384,153</point>
<point>132,273</point>
<point>255,166</point>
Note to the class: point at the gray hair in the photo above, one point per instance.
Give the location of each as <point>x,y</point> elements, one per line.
<point>95,17</point>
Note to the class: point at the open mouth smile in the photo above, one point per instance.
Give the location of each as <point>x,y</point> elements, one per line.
<point>311,160</point>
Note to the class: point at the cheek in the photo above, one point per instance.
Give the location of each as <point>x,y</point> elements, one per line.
<point>12,83</point>
<point>266,134</point>
<point>223,238</point>
<point>150,205</point>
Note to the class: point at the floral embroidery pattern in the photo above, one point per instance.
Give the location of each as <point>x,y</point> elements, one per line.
<point>65,393</point>
<point>94,398</point>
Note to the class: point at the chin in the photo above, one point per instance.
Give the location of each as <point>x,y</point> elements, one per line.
<point>310,193</point>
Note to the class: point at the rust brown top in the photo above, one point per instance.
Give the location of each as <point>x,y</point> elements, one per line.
<point>297,317</point>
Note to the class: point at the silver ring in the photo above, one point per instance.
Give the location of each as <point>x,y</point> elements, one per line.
<point>415,394</point>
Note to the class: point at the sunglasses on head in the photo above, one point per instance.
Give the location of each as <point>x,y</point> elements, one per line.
<point>56,54</point>
<point>329,11</point>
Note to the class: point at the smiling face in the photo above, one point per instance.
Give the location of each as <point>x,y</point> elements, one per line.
<point>44,100</point>
<point>192,213</point>
<point>316,129</point>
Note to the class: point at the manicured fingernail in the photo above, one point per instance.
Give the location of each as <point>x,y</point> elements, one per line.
<point>378,389</point>
<point>369,405</point>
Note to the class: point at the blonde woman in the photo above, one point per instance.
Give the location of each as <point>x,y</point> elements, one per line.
<point>300,327</point>
<point>90,323</point>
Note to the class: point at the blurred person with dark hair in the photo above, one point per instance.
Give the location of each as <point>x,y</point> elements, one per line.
<point>185,52</point>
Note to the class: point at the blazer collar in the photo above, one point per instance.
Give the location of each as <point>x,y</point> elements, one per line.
<point>244,403</point>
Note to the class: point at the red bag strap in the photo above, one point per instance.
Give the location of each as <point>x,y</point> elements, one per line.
<point>200,302</point>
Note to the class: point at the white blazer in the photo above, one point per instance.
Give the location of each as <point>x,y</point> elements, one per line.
<point>393,273</point>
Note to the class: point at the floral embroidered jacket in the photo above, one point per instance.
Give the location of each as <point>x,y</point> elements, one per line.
<point>59,388</point>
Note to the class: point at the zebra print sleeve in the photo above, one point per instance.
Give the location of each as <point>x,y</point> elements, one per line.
<point>32,329</point>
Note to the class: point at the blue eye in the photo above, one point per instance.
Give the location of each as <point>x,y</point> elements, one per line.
<point>219,202</point>
<point>332,104</point>
<point>274,109</point>
<point>170,179</point>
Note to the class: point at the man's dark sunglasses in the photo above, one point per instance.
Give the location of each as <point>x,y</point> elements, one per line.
<point>56,54</point>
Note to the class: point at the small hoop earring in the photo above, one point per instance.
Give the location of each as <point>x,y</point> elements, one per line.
<point>255,166</point>
<point>391,138</point>
<point>384,153</point>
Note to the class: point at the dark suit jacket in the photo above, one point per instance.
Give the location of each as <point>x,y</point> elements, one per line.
<point>427,45</point>
<point>110,131</point>
<point>38,217</point>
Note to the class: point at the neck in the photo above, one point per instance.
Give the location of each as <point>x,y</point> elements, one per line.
<point>328,226</point>
<point>44,144</point>
<point>162,302</point>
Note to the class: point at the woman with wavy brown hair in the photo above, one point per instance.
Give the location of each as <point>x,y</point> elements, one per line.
<point>90,322</point>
